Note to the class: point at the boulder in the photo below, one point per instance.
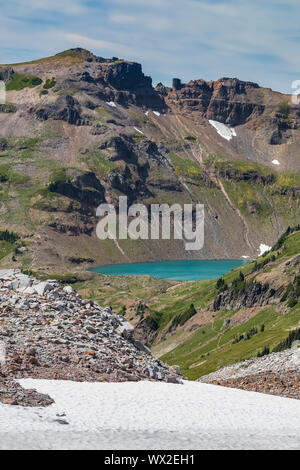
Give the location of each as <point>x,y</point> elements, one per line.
<point>125,329</point>
<point>43,287</point>
<point>140,346</point>
<point>68,290</point>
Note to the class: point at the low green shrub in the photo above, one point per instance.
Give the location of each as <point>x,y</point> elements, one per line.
<point>7,108</point>
<point>183,318</point>
<point>221,285</point>
<point>287,343</point>
<point>7,236</point>
<point>50,83</point>
<point>153,320</point>
<point>265,352</point>
<point>19,82</point>
<point>284,236</point>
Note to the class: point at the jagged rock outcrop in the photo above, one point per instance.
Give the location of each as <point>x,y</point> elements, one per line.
<point>132,86</point>
<point>250,176</point>
<point>83,227</point>
<point>85,188</point>
<point>253,294</point>
<point>226,100</point>
<point>65,109</point>
<point>294,192</point>
<point>3,145</point>
<point>121,148</point>
<point>7,108</point>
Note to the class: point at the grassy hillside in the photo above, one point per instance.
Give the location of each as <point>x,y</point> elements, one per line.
<point>250,331</point>
<point>188,332</point>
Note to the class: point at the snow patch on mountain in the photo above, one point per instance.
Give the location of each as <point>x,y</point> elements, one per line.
<point>138,130</point>
<point>224,131</point>
<point>263,249</point>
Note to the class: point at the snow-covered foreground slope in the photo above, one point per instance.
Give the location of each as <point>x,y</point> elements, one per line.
<point>150,416</point>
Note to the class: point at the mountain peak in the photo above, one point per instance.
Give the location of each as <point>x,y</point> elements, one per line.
<point>75,52</point>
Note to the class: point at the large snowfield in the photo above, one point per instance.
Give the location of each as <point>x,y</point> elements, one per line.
<point>150,416</point>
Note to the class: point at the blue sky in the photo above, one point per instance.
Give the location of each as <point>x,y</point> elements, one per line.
<point>257,41</point>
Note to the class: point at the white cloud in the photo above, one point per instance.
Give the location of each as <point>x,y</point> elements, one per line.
<point>192,39</point>
<point>84,41</point>
<point>219,8</point>
<point>72,7</point>
<point>123,18</point>
<point>31,7</point>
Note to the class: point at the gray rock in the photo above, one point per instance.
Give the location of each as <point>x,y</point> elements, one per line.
<point>108,311</point>
<point>68,290</point>
<point>172,379</point>
<point>29,290</point>
<point>176,369</point>
<point>24,305</point>
<point>8,273</point>
<point>140,346</point>
<point>91,329</point>
<point>43,287</point>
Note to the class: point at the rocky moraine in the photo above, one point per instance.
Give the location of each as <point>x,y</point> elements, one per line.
<point>50,332</point>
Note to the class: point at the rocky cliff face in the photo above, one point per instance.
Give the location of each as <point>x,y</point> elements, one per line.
<point>78,130</point>
<point>238,103</point>
<point>253,294</point>
<point>227,100</point>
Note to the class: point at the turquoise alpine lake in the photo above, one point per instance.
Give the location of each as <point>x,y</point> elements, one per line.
<point>183,270</point>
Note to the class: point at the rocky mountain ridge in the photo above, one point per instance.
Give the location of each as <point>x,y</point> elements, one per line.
<point>78,130</point>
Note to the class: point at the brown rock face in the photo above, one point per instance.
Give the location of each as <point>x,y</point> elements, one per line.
<point>124,82</point>
<point>226,100</point>
<point>65,109</point>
